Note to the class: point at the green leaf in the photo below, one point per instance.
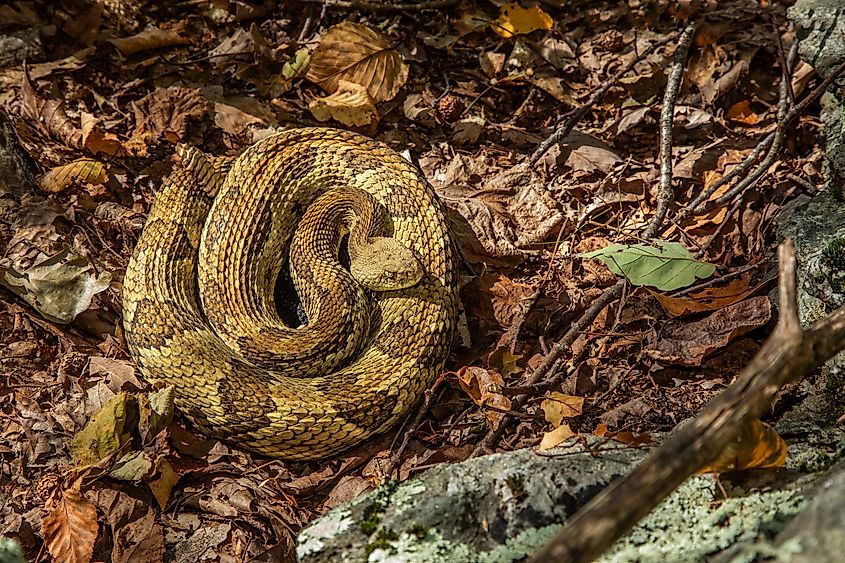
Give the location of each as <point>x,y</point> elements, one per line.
<point>106,432</point>
<point>298,64</point>
<point>664,265</point>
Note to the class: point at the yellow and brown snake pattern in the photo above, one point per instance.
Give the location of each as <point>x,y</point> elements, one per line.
<point>199,312</point>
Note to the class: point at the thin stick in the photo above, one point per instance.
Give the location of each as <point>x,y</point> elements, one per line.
<point>665,195</point>
<point>429,398</point>
<point>786,356</point>
<point>763,145</point>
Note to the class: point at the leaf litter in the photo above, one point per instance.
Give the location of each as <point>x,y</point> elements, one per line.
<point>469,92</point>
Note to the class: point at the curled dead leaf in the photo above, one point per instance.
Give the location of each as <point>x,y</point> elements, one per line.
<point>708,299</point>
<point>485,389</point>
<point>557,406</point>
<point>355,53</point>
<point>350,104</point>
<point>82,170</point>
<point>757,446</point>
<point>149,39</point>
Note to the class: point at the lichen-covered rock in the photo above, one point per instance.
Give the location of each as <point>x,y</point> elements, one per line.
<point>820,28</point>
<point>502,507</point>
<point>495,508</point>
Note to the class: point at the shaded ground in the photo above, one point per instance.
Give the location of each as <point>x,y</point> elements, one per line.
<point>100,85</point>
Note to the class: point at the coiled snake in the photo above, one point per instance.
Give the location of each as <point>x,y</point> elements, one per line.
<point>198,298</point>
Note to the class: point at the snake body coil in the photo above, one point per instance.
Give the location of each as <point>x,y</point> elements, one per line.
<point>199,312</point>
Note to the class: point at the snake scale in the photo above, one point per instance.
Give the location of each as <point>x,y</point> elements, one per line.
<point>198,297</point>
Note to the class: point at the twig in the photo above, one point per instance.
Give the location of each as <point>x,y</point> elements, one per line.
<point>366,6</point>
<point>665,195</point>
<point>548,367</point>
<point>571,119</point>
<point>745,166</point>
<point>786,356</point>
<point>551,360</point>
<point>777,144</point>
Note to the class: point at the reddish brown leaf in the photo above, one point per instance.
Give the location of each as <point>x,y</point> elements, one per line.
<point>71,529</point>
<point>708,299</point>
<point>689,343</point>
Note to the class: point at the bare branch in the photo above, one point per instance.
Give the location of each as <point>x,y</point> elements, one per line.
<point>786,356</point>
<point>665,195</point>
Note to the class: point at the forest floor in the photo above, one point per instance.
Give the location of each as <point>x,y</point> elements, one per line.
<point>469,91</point>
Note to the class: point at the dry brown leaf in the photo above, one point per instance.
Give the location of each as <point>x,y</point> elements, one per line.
<point>82,170</point>
<point>164,114</point>
<point>510,212</point>
<point>688,343</point>
<point>149,39</point>
<point>351,105</point>
<point>708,299</point>
<point>557,406</point>
<point>51,115</point>
<point>484,387</point>
<point>138,537</point>
<point>516,20</point>
<point>355,53</point>
<point>556,437</point>
<point>70,530</point>
<point>757,446</point>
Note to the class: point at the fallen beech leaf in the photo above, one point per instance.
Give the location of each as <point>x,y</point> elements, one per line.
<point>164,114</point>
<point>708,299</point>
<point>355,53</point>
<point>688,343</point>
<point>70,530</point>
<point>664,265</point>
<point>351,105</point>
<point>60,287</point>
<point>149,39</point>
<point>757,446</point>
<point>741,112</point>
<point>516,20</point>
<point>556,437</point>
<point>82,170</point>
<point>484,388</point>
<point>557,406</point>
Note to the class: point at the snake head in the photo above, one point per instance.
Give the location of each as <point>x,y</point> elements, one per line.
<point>385,264</point>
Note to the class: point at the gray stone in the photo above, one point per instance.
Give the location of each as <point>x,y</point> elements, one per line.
<point>495,508</point>
<point>820,28</point>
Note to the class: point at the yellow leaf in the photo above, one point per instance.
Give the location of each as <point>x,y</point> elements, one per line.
<point>516,20</point>
<point>71,529</point>
<point>556,437</point>
<point>355,53</point>
<point>757,446</point>
<point>558,406</point>
<point>82,170</point>
<point>351,105</point>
